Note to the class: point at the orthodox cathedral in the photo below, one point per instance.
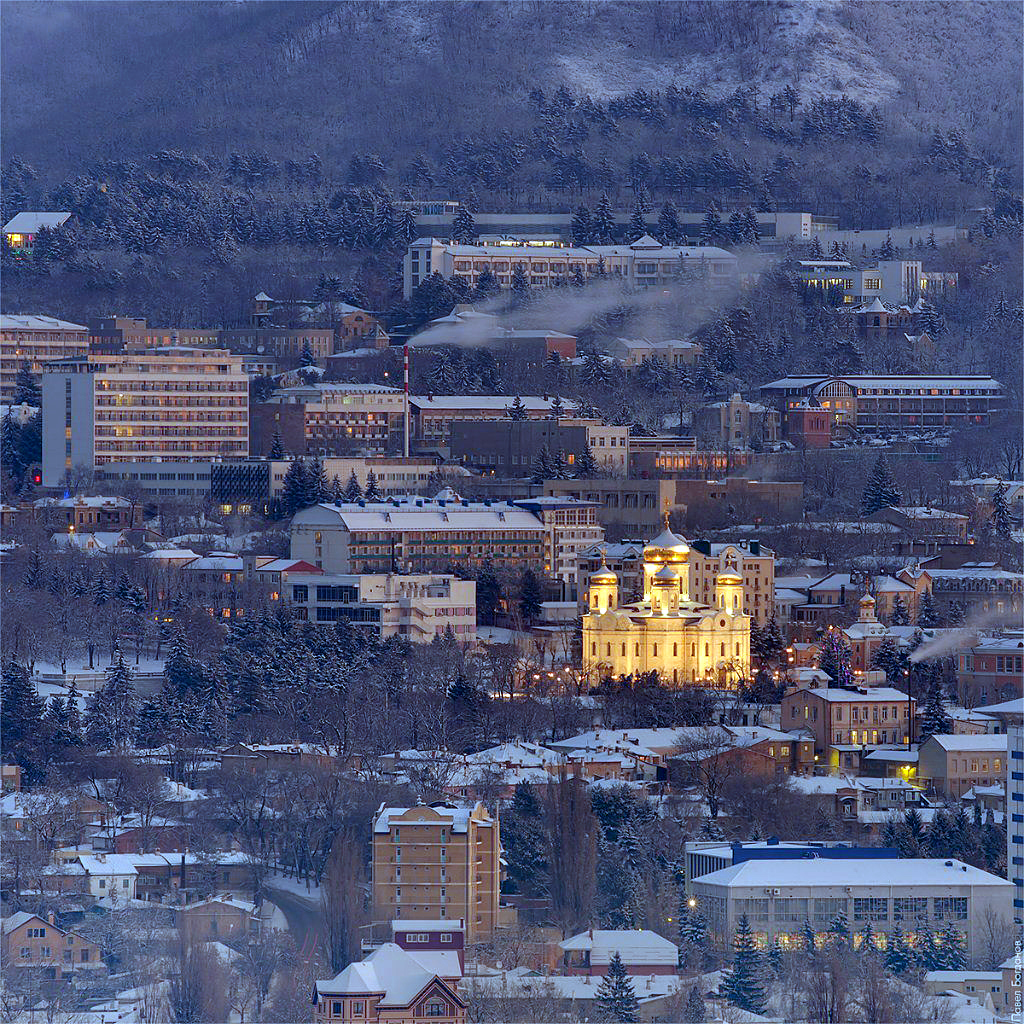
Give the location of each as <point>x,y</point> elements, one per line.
<point>684,641</point>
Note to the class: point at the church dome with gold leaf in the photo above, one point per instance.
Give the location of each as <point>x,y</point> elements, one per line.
<point>667,547</point>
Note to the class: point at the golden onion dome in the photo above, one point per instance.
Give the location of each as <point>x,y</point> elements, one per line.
<point>667,547</point>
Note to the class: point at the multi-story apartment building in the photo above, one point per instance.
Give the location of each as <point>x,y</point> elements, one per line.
<point>636,506</point>
<point>843,720</point>
<point>90,514</point>
<point>642,263</point>
<point>976,587</point>
<point>36,340</point>
<point>889,281</point>
<point>110,334</point>
<point>186,404</point>
<point>991,669</point>
<point>440,861</point>
<point>570,526</point>
<point>504,447</point>
<point>419,535</point>
<point>417,607</point>
<point>330,419</point>
<point>433,415</point>
<point>282,342</point>
<point>779,895</point>
<point>29,942</point>
<point>750,560</point>
<point>737,423</point>
<point>883,404</point>
<point>1015,810</point>
<point>950,764</point>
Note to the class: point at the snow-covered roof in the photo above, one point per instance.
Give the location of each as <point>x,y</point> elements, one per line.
<point>968,743</point>
<point>581,989</point>
<point>834,695</point>
<point>383,517</point>
<point>217,561</point>
<point>289,565</point>
<point>17,920</point>
<point>84,501</point>
<point>29,222</point>
<point>458,816</point>
<point>814,872</point>
<point>652,249</point>
<point>421,924</point>
<point>892,381</point>
<point>396,974</point>
<point>604,739</point>
<point>169,554</point>
<point>925,512</point>
<point>486,403</point>
<point>635,947</point>
<point>108,864</point>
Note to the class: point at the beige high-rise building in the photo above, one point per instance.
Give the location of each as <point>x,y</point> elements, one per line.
<point>750,560</point>
<point>175,403</point>
<point>435,862</point>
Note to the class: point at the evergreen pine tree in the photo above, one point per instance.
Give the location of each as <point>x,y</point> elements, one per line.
<point>834,659</point>
<point>112,711</point>
<point>602,227</point>
<point>520,282</point>
<point>530,595</point>
<point>868,940</point>
<point>294,489</point>
<point>932,246</point>
<point>637,223</point>
<point>464,227</point>
<point>927,614</point>
<point>307,358</point>
<point>888,249</point>
<point>695,1012</point>
<point>488,593</point>
<point>952,951</point>
<point>373,491</point>
<point>542,465</point>
<point>926,953</point>
<point>74,712</point>
<point>337,491</point>
<point>587,467</point>
<point>810,942</point>
<point>22,715</point>
<point>711,227</point>
<point>26,387</point>
<point>881,490</point>
<point>317,487</point>
<point>669,229</point>
<point>933,716</point>
<point>1000,512</point>
<point>816,253</point>
<point>615,994</point>
<point>900,615</point>
<point>839,929</point>
<point>516,411</point>
<point>898,956</point>
<point>775,959</point>
<point>582,226</point>
<point>559,467</point>
<point>276,446</point>
<point>744,987</point>
<point>353,490</point>
<point>10,448</point>
<point>693,934</point>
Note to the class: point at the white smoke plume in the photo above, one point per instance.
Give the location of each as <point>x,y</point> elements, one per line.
<point>956,639</point>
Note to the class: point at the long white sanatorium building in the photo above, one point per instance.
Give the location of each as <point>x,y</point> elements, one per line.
<point>642,263</point>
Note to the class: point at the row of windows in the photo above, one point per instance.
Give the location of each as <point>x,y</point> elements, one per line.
<point>867,908</point>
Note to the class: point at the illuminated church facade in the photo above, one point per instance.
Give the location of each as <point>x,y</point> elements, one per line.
<point>684,641</point>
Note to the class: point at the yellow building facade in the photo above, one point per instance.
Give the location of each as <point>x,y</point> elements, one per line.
<point>683,640</point>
